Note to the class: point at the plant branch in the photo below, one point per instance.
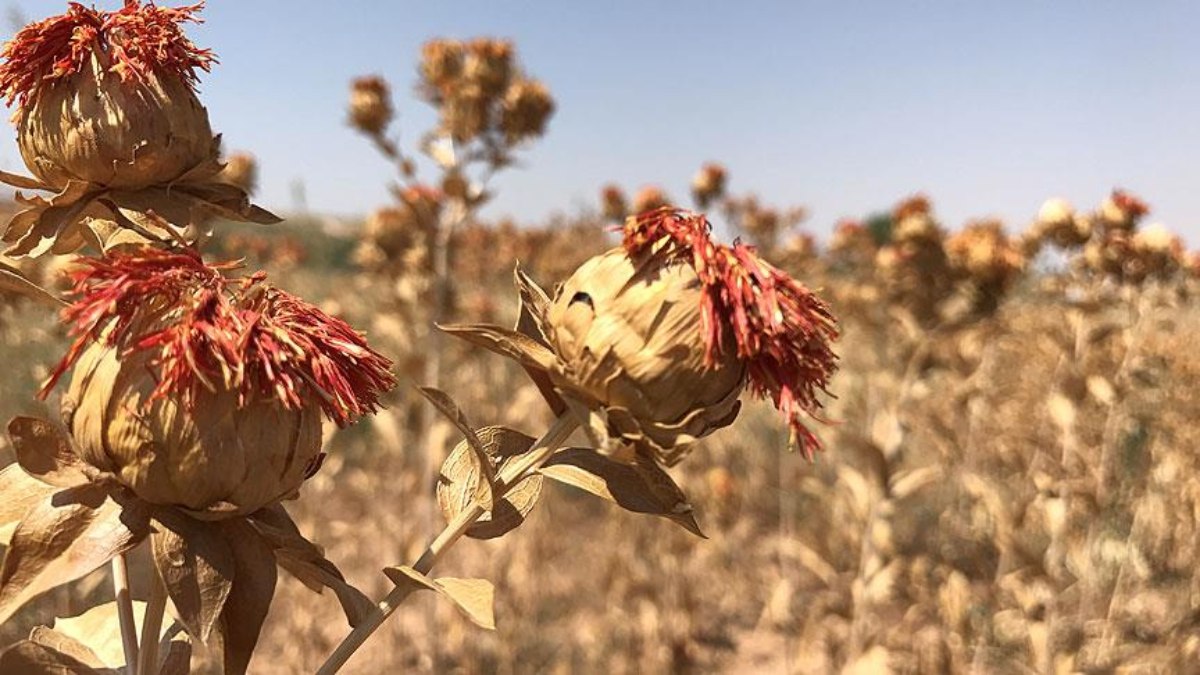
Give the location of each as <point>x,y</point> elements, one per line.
<point>129,641</point>
<point>152,626</point>
<point>513,473</point>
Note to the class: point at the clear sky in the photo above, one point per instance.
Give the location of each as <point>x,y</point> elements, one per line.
<point>844,107</point>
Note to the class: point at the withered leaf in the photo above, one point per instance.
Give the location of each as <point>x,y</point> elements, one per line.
<point>517,346</point>
<point>12,281</point>
<point>250,596</point>
<point>23,182</point>
<point>460,483</point>
<point>63,537</point>
<point>19,492</point>
<point>99,631</point>
<point>475,597</point>
<point>28,657</point>
<point>641,487</point>
<point>446,405</point>
<point>45,452</point>
<point>306,561</point>
<point>198,568</point>
<point>531,321</point>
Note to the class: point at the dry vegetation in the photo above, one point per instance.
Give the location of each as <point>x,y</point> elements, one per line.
<point>1007,483</point>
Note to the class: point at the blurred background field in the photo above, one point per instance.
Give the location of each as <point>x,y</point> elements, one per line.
<point>1008,484</point>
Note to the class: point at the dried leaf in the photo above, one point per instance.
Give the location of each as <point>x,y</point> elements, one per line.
<point>22,182</point>
<point>45,452</point>
<point>461,484</point>
<point>305,561</point>
<point>475,597</point>
<point>446,405</point>
<point>19,492</point>
<point>28,657</point>
<point>531,321</point>
<point>94,637</point>
<point>250,596</point>
<point>198,568</point>
<point>521,348</point>
<point>641,487</point>
<point>12,281</point>
<point>65,536</point>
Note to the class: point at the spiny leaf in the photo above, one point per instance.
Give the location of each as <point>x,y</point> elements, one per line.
<point>641,487</point>
<point>475,597</point>
<point>531,321</point>
<point>65,536</point>
<point>98,630</point>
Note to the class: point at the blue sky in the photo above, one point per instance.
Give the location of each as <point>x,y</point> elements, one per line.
<point>843,107</point>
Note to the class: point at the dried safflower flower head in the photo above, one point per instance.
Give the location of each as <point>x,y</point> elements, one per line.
<point>1122,210</point>
<point>1159,250</point>
<point>488,65</point>
<point>370,105</point>
<point>720,318</point>
<point>709,184</point>
<point>1056,212</point>
<point>649,198</point>
<point>527,106</point>
<point>441,63</point>
<point>613,203</point>
<point>916,205</point>
<point>983,253</point>
<point>629,333</point>
<point>109,97</point>
<point>203,391</point>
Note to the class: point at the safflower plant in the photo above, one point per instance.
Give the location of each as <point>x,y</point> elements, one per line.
<point>196,390</point>
<point>647,347</point>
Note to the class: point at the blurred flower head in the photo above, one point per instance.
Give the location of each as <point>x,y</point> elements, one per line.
<point>370,104</point>
<point>526,109</point>
<point>613,203</point>
<point>649,198</point>
<point>709,184</point>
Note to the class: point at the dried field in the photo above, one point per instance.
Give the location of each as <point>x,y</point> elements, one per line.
<point>1015,494</point>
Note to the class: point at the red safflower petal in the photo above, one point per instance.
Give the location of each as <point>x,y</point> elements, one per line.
<point>206,332</point>
<point>781,330</point>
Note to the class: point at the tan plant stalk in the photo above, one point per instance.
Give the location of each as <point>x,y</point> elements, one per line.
<point>147,660</point>
<point>523,467</point>
<point>129,640</point>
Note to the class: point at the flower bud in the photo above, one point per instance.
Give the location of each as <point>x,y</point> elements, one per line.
<point>216,452</point>
<point>370,105</point>
<point>630,334</point>
<point>108,97</point>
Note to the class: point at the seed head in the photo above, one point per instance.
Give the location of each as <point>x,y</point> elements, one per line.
<point>370,104</point>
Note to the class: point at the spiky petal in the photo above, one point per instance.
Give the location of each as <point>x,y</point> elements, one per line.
<point>138,41</point>
<point>206,331</point>
<point>781,330</point>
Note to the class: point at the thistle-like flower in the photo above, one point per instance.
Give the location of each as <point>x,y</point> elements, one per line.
<point>108,119</point>
<point>660,336</point>
<point>370,105</point>
<point>709,184</point>
<point>205,392</point>
<point>193,410</point>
